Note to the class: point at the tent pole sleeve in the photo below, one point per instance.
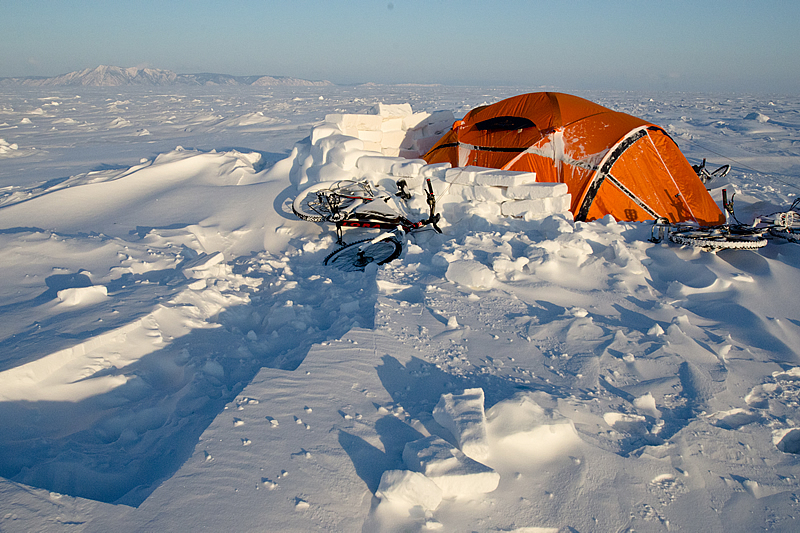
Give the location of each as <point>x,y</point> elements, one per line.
<point>605,172</point>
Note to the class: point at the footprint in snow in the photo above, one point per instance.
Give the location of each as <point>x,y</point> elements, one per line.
<point>300,504</point>
<point>787,441</point>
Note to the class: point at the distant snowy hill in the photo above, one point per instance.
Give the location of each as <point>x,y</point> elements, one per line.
<point>109,76</point>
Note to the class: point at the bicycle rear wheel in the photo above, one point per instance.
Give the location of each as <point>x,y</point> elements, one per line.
<point>314,203</point>
<point>721,172</point>
<point>790,234</point>
<point>713,240</point>
<point>357,255</point>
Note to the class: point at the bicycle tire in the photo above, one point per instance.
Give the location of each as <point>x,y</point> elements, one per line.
<point>714,241</point>
<point>355,257</point>
<point>308,205</point>
<point>721,172</point>
<point>788,234</point>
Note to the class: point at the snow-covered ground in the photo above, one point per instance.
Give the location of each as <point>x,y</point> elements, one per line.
<point>175,357</point>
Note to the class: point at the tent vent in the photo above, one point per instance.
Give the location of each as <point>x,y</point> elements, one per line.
<point>504,123</point>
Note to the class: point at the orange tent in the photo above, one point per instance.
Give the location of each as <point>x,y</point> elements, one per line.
<point>612,162</point>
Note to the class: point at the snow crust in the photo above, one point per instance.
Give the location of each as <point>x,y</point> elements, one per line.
<point>175,356</point>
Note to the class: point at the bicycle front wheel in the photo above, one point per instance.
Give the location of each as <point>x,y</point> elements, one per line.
<point>314,202</point>
<point>356,256</point>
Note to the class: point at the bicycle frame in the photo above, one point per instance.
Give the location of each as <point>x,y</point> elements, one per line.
<point>374,220</point>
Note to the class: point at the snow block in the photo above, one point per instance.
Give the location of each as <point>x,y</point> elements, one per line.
<point>521,428</point>
<point>344,158</point>
<point>82,295</point>
<point>408,154</point>
<point>376,163</point>
<point>452,471</point>
<point>439,122</point>
<point>536,207</point>
<point>354,122</point>
<point>391,110</point>
<point>436,130</point>
<point>469,274</point>
<point>392,124</point>
<point>393,139</point>
<point>415,120</point>
<point>505,178</point>
<point>199,266</point>
<point>373,146</point>
<point>487,194</point>
<point>535,190</point>
<point>409,489</point>
<point>324,130</point>
<point>424,144</point>
<point>340,142</point>
<point>463,175</point>
<point>436,170</point>
<point>330,173</point>
<point>370,136</point>
<point>406,167</point>
<point>464,417</point>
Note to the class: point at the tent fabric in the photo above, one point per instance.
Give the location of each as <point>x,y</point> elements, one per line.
<point>613,163</point>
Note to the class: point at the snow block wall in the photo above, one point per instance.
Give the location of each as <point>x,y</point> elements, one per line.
<point>384,147</point>
<point>395,130</point>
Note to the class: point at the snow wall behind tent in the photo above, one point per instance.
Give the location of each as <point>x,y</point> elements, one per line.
<point>612,162</point>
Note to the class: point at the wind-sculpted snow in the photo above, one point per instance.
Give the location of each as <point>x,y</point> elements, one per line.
<point>174,356</point>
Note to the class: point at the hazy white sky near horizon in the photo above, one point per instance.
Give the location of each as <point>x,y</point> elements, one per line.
<point>713,45</point>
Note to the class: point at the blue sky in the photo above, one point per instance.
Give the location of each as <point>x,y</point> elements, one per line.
<point>730,45</point>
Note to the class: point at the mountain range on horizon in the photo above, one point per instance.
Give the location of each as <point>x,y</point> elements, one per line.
<point>111,76</point>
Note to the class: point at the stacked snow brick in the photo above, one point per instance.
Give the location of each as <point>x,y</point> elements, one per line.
<point>438,469</point>
<point>517,194</point>
<point>463,416</point>
<point>395,130</point>
<point>514,431</point>
<point>383,148</point>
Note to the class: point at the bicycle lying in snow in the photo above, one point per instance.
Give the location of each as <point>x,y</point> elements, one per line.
<point>738,236</point>
<point>706,175</point>
<point>358,204</point>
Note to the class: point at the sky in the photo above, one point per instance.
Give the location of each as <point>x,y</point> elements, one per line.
<point>713,45</point>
